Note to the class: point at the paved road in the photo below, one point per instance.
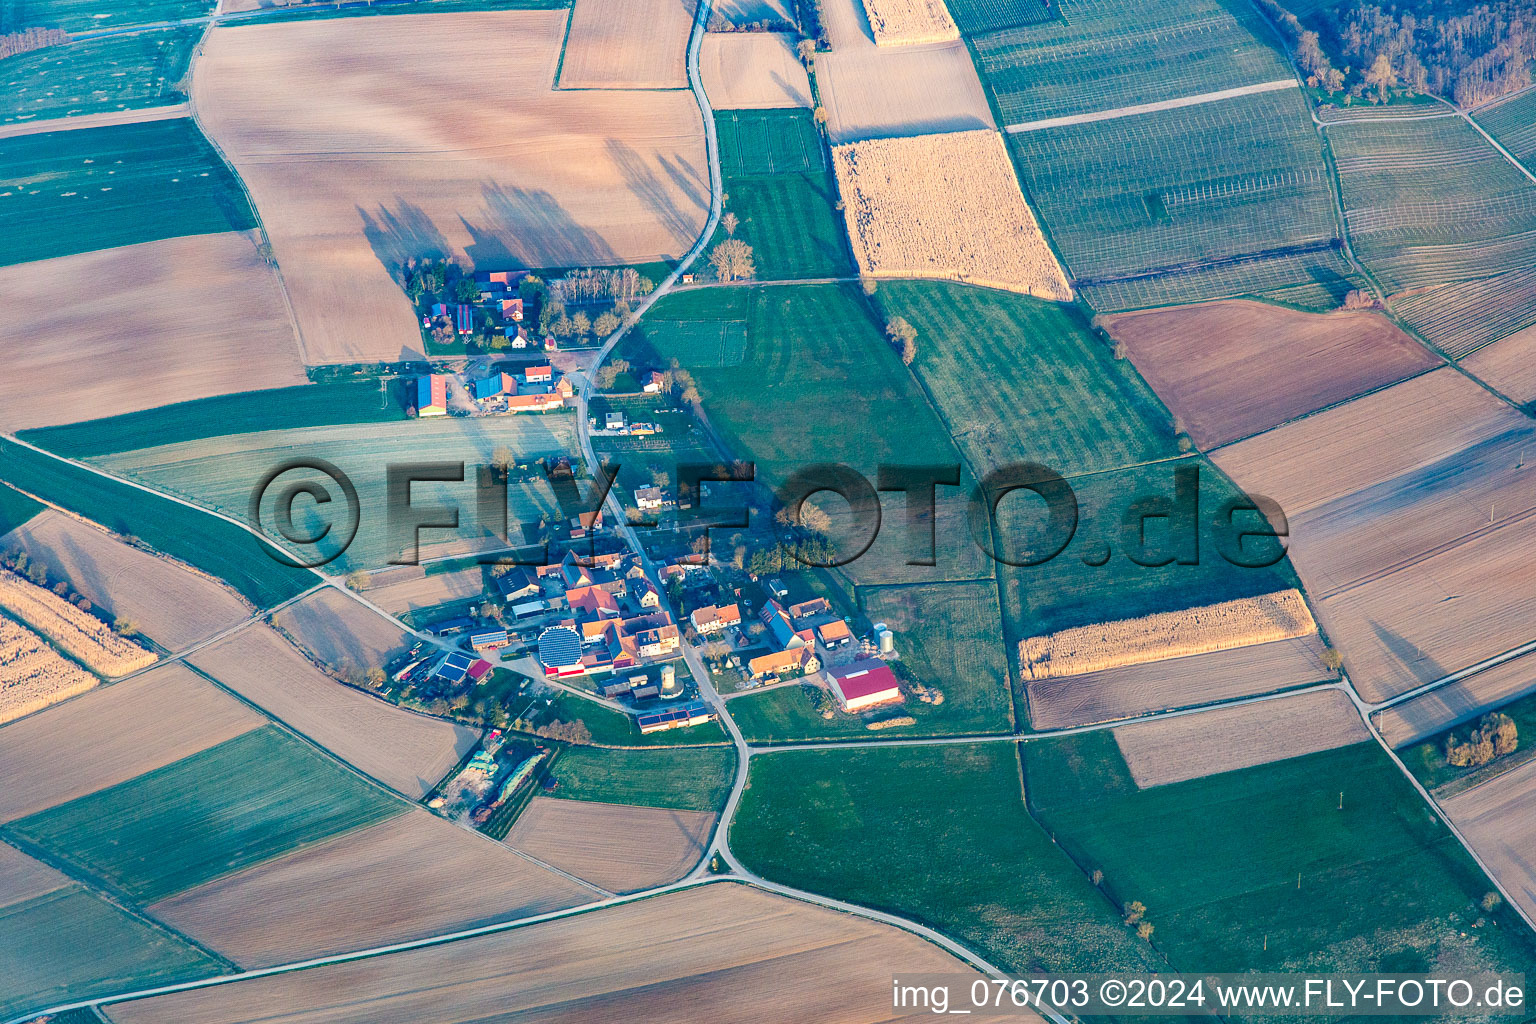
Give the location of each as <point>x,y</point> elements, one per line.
<point>1148,108</point>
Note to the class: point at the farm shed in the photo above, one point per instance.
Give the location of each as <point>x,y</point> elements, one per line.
<point>864,684</point>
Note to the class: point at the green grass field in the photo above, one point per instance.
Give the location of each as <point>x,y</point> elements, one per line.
<point>756,142</point>
<point>69,945</point>
<point>99,188</point>
<point>1260,870</point>
<point>245,801</point>
<point>307,405</point>
<point>217,547</point>
<point>97,75</point>
<point>15,508</point>
<point>1023,380</point>
<point>325,11</point>
<point>86,15</point>
<point>613,729</point>
<point>938,835</point>
<point>688,779</point>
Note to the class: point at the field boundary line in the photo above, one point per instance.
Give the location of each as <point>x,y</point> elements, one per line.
<point>530,858</point>
<point>1147,108</point>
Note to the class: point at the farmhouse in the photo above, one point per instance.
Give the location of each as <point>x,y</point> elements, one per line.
<point>783,633</point>
<point>432,395</point>
<point>494,283</point>
<point>511,309</point>
<point>835,633</point>
<point>815,606</point>
<point>695,713</point>
<point>654,382</point>
<point>538,375</point>
<point>710,619</point>
<point>649,499</point>
<point>864,684</point>
<point>494,385</point>
<point>795,661</point>
<point>518,584</point>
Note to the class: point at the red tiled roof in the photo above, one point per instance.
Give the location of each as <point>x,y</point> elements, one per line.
<point>866,681</point>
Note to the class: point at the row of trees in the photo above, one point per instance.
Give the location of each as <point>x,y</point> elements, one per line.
<point>598,284</point>
<point>1494,736</point>
<point>27,40</point>
<point>23,565</point>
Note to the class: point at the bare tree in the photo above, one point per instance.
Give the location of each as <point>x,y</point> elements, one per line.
<point>732,260</point>
<point>730,223</point>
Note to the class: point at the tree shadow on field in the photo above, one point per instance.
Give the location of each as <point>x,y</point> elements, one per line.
<point>1414,660</point>
<point>646,186</point>
<point>529,228</point>
<point>402,233</point>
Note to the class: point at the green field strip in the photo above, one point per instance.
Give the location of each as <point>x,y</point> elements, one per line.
<point>327,11</point>
<point>682,778</point>
<point>247,800</point>
<point>96,15</point>
<point>95,76</point>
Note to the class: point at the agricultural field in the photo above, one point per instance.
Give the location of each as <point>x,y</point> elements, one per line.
<point>1115,693</point>
<point>1402,504</point>
<point>411,589</point>
<point>721,945</point>
<point>79,634</point>
<point>1315,280</point>
<point>833,822</point>
<point>1279,867</point>
<point>362,149</point>
<point>780,189</point>
<point>1103,55</point>
<point>245,801</point>
<point>97,76</point>
<point>1497,817</point>
<point>32,674</point>
<point>219,472</point>
<point>22,878</point>
<point>177,319</point>
<point>617,847</point>
<point>1227,739</point>
<point>406,751</point>
<point>1461,318</point>
<point>114,734</point>
<point>400,879</point>
<point>682,778</point>
<point>626,44</point>
<point>1429,201</point>
<point>1231,369</point>
<point>308,405</point>
<point>70,944</point>
<point>85,15</point>
<point>1453,704</point>
<point>945,206</point>
<point>1180,189</point>
<point>213,545</point>
<point>904,22</point>
<point>752,70</point>
<point>99,188</point>
<point>1513,123</point>
<point>745,12</point>
<point>16,510</point>
<point>343,634</point>
<point>1508,366</point>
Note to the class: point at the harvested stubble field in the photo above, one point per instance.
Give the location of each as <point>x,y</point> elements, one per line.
<point>1226,739</point>
<point>410,589</point>
<point>22,878</point>
<point>404,750</point>
<point>1499,818</point>
<point>1508,366</point>
<point>722,951</point>
<point>1455,703</point>
<point>344,634</point>
<point>627,44</point>
<point>896,22</point>
<point>405,878</point>
<point>176,319</point>
<point>620,848</point>
<point>945,206</point>
<point>114,734</point>
<point>1065,701</point>
<point>1178,634</point>
<point>107,75</point>
<point>362,148</point>
<point>32,674</point>
<point>166,601</point>
<point>753,70</point>
<point>79,634</point>
<point>1402,504</point>
<point>1231,369</point>
<point>245,801</point>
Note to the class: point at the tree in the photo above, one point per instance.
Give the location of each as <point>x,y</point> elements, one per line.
<point>502,459</point>
<point>580,325</point>
<point>606,376</point>
<point>732,260</point>
<point>730,223</point>
<point>820,116</point>
<point>1380,76</point>
<point>466,290</point>
<point>1492,901</point>
<point>375,678</point>
<point>904,336</point>
<point>868,285</point>
<point>1135,911</point>
<point>1097,877</point>
<point>125,627</point>
<point>1145,930</point>
<point>806,48</point>
<point>605,324</point>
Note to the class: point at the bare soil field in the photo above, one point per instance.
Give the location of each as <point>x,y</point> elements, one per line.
<point>1178,634</point>
<point>102,120</point>
<point>418,590</point>
<point>401,749</point>
<point>1402,505</point>
<point>627,44</point>
<point>112,735</point>
<point>1063,701</point>
<point>743,12</point>
<point>721,952</point>
<point>174,320</point>
<point>1509,366</point>
<point>22,878</point>
<point>1235,368</point>
<point>945,206</point>
<point>752,71</point>
<point>618,847</point>
<point>899,22</point>
<point>362,147</point>
<point>170,603</point>
<point>1498,817</point>
<point>1226,739</point>
<point>77,633</point>
<point>32,674</point>
<point>1454,703</point>
<point>342,633</point>
<point>408,877</point>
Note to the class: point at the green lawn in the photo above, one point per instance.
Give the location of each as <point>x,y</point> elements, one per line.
<point>936,834</point>
<point>15,508</point>
<point>688,779</point>
<point>757,142</point>
<point>99,188</point>
<point>70,944</point>
<point>86,15</point>
<point>307,405</point>
<point>1260,870</point>
<point>97,75</point>
<point>214,545</point>
<point>245,801</point>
